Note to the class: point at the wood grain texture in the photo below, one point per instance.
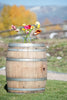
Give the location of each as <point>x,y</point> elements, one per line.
<point>26,70</point>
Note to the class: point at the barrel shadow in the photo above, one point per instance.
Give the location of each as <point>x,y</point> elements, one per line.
<point>5,87</point>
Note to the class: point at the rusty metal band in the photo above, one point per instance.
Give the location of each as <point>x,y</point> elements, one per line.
<point>21,79</point>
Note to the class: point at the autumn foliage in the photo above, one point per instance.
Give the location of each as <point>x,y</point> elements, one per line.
<point>16,16</point>
<point>51,28</point>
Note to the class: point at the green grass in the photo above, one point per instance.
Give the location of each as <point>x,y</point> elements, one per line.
<point>54,64</point>
<point>2,62</point>
<point>57,47</point>
<point>11,40</point>
<point>55,90</point>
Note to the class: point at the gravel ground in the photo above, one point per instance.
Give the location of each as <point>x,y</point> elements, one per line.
<point>50,75</point>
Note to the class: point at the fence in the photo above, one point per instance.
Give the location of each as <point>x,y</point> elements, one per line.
<point>46,34</point>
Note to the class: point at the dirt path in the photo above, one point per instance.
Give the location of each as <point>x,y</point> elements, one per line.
<point>3,72</point>
<point>56,76</point>
<point>50,75</point>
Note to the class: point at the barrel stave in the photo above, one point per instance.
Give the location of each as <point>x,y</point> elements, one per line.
<point>26,71</point>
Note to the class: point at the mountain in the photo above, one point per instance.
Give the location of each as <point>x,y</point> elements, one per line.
<point>56,14</point>
<point>1,6</point>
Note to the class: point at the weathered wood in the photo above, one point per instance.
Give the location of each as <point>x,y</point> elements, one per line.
<point>32,74</point>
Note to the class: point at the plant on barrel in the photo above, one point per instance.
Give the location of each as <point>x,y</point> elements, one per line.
<point>29,30</point>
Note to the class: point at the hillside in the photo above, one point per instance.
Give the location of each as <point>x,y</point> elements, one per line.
<point>56,14</point>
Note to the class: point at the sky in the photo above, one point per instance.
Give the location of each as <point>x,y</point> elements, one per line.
<point>35,2</point>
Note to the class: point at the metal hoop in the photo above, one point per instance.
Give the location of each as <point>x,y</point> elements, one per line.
<point>25,45</point>
<point>16,59</point>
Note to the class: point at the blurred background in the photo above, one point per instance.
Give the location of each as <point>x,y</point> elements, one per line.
<point>52,15</point>
<point>53,18</point>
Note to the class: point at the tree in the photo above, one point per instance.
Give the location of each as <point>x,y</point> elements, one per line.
<point>47,22</point>
<point>16,16</point>
<point>5,15</point>
<point>51,28</point>
<point>20,15</point>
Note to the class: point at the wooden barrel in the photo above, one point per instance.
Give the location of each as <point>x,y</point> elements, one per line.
<point>26,70</point>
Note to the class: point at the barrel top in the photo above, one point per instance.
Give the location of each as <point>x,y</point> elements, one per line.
<point>25,45</point>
